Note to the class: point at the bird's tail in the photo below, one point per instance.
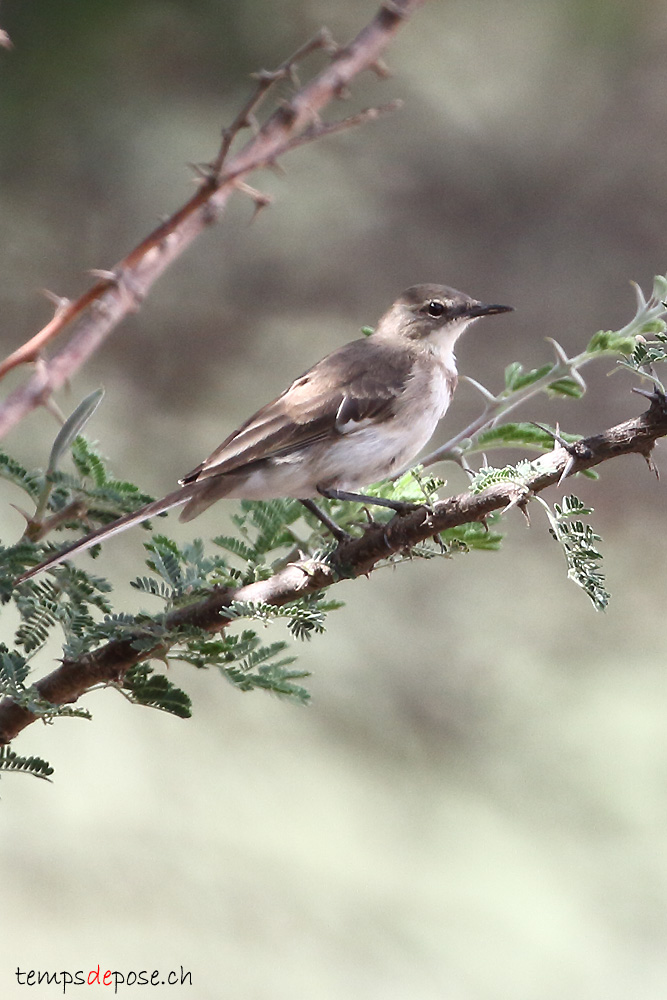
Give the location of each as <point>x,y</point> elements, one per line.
<point>175,499</point>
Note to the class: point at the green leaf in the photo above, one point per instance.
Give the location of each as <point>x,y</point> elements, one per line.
<point>37,603</point>
<point>271,517</point>
<point>13,671</point>
<point>31,483</point>
<point>165,560</point>
<point>87,461</point>
<point>272,677</point>
<point>263,653</point>
<point>10,761</point>
<point>512,372</point>
<point>521,473</point>
<point>610,342</point>
<point>579,544</point>
<point>237,547</point>
<point>474,535</point>
<point>156,588</point>
<point>566,387</point>
<point>518,435</point>
<point>73,427</point>
<point>516,378</point>
<point>154,690</point>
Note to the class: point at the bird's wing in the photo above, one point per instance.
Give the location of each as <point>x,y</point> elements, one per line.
<point>356,385</point>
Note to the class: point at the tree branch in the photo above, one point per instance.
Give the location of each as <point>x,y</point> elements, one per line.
<point>351,559</point>
<point>120,291</point>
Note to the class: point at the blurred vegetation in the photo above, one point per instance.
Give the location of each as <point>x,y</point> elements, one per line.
<point>474,806</point>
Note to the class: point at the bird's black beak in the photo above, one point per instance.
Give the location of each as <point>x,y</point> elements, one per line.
<point>481,309</point>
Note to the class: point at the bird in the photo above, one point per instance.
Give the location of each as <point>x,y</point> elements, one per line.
<point>359,415</point>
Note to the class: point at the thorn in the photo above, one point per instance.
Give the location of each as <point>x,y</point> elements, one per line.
<point>23,513</point>
<point>60,302</point>
<point>269,76</point>
<point>438,541</point>
<point>326,41</point>
<point>293,76</point>
<point>380,68</point>
<point>639,295</point>
<point>577,377</point>
<point>260,199</point>
<point>276,168</point>
<point>105,275</point>
<point>560,353</point>
<point>462,462</point>
<point>203,172</point>
<point>480,388</point>
<point>652,466</point>
<point>518,500</point>
<point>523,507</point>
<point>569,466</point>
<point>567,445</point>
<point>655,396</point>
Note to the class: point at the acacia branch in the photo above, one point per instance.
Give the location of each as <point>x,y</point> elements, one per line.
<point>352,559</point>
<point>94,315</point>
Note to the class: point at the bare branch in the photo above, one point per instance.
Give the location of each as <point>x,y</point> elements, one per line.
<point>96,313</point>
<point>358,557</point>
<point>266,79</point>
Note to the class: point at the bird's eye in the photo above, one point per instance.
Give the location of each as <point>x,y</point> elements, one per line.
<point>435,308</point>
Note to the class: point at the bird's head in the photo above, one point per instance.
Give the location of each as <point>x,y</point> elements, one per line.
<point>434,316</point>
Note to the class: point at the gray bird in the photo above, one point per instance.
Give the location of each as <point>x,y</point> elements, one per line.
<point>360,415</point>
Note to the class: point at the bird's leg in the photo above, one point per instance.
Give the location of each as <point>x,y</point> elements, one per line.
<point>400,506</point>
<point>339,534</point>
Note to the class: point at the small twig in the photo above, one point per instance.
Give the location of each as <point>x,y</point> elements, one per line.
<point>320,130</point>
<point>649,311</point>
<point>496,407</point>
<point>265,80</point>
<point>39,528</point>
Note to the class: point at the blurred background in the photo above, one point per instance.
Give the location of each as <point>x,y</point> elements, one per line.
<point>475,805</point>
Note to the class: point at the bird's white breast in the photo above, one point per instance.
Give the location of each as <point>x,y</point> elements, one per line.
<point>371,451</point>
<point>367,451</point>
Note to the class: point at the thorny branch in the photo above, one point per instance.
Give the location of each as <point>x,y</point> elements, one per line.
<point>649,312</point>
<point>121,290</point>
<point>351,559</point>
